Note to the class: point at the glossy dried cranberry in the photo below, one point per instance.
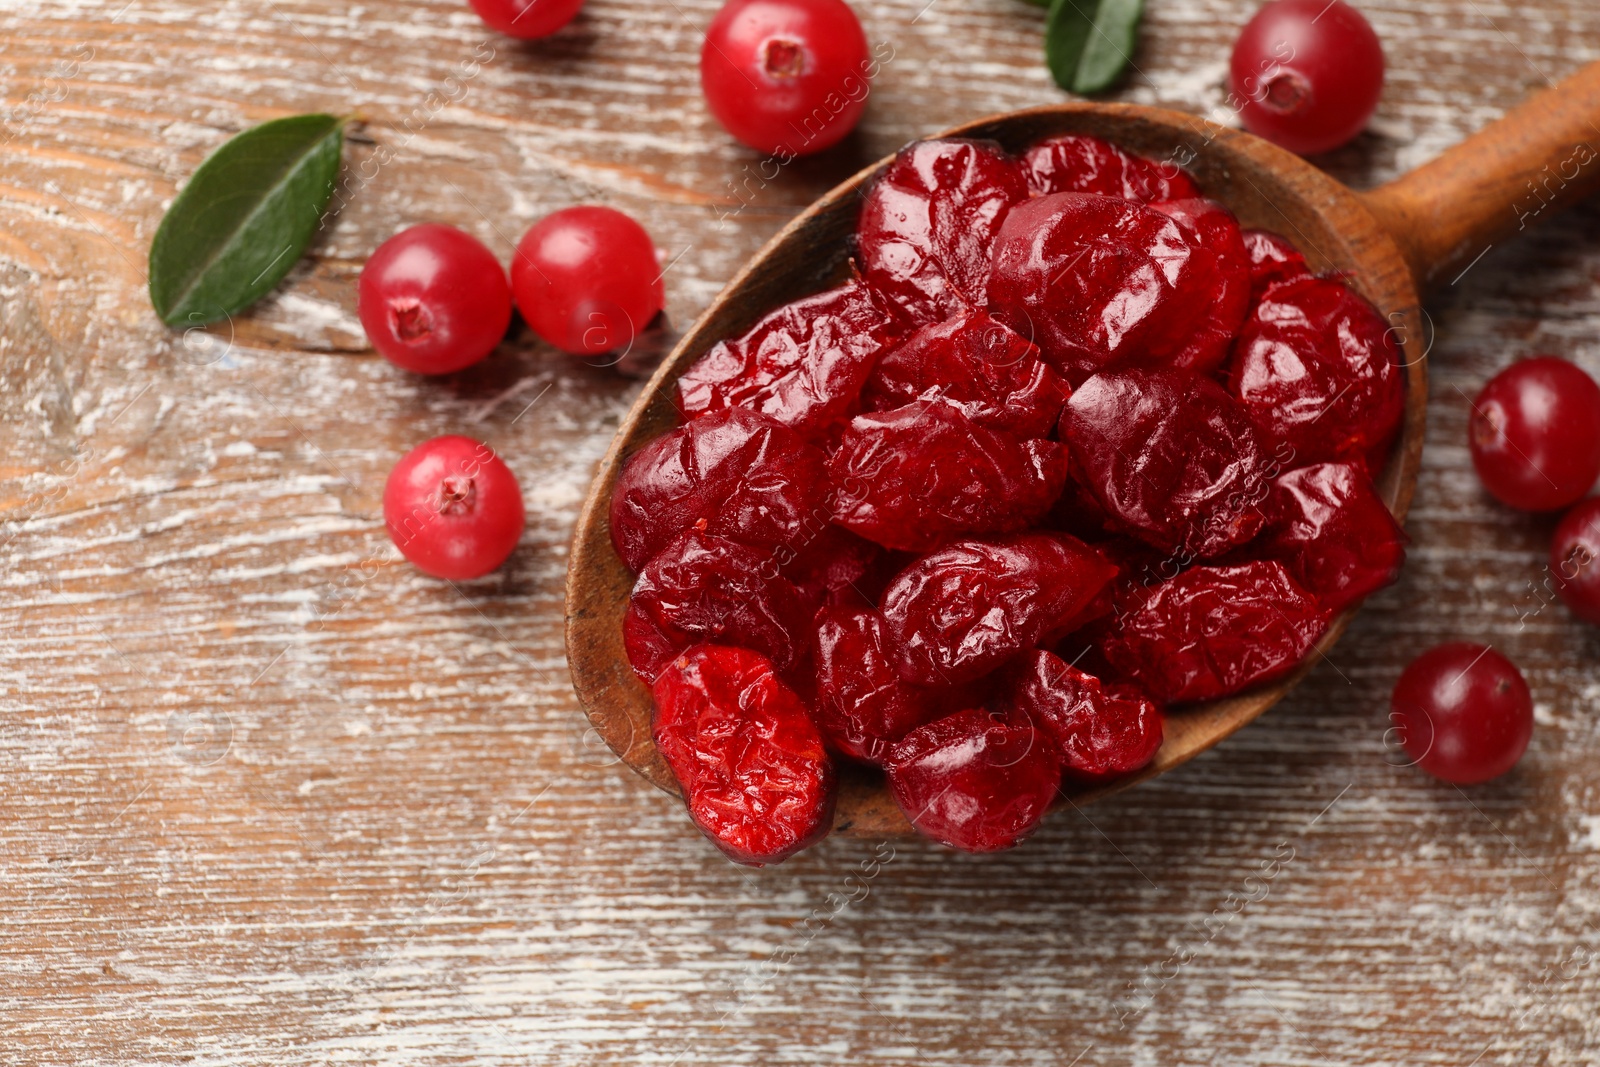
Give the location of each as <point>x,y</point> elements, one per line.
<point>1171,458</point>
<point>958,613</point>
<point>707,588</point>
<point>1217,295</point>
<point>1212,631</point>
<point>927,225</point>
<point>989,373</point>
<point>1327,525</point>
<point>1077,164</point>
<point>838,567</point>
<point>754,773</point>
<point>1102,731</point>
<point>977,780</point>
<point>1320,371</point>
<point>732,473</point>
<point>1272,259</point>
<point>863,705</point>
<point>1092,280</point>
<point>803,364</point>
<point>915,477</point>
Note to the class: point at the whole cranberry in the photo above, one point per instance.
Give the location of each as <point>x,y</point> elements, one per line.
<point>1307,74</point>
<point>526,18</point>
<point>587,280</point>
<point>1575,560</point>
<point>1535,434</point>
<point>1463,712</point>
<point>453,508</point>
<point>788,77</point>
<point>433,300</point>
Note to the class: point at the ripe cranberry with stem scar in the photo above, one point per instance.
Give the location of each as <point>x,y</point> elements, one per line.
<point>1575,560</point>
<point>1307,74</point>
<point>1535,434</point>
<point>587,280</point>
<point>527,19</point>
<point>1463,713</point>
<point>433,299</point>
<point>453,508</point>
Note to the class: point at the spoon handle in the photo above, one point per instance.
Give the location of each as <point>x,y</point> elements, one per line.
<point>1539,158</point>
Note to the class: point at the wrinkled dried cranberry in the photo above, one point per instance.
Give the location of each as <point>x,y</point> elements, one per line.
<point>1272,259</point>
<point>1102,731</point>
<point>1320,371</point>
<point>755,776</point>
<point>863,705</point>
<point>1093,280</point>
<point>1327,525</point>
<point>803,364</point>
<point>1217,295</point>
<point>977,780</point>
<point>927,225</point>
<point>917,476</point>
<point>989,373</point>
<point>1172,459</point>
<point>1212,631</point>
<point>707,588</point>
<point>960,612</point>
<point>837,567</point>
<point>734,473</point>
<point>1077,164</point>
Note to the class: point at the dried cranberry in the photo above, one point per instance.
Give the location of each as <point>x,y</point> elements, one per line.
<point>927,225</point>
<point>1272,259</point>
<point>1320,371</point>
<point>837,567</point>
<point>989,373</point>
<point>917,476</point>
<point>1101,731</point>
<point>734,473</point>
<point>1077,164</point>
<point>803,364</point>
<point>863,705</point>
<point>977,780</point>
<point>1172,459</point>
<point>958,613</point>
<point>707,588</point>
<point>1327,525</point>
<point>1212,631</point>
<point>755,776</point>
<point>1092,280</point>
<point>1218,289</point>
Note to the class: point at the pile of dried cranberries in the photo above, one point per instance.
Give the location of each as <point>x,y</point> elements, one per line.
<point>1067,447</point>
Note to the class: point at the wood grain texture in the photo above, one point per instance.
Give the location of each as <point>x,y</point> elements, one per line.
<point>271,798</point>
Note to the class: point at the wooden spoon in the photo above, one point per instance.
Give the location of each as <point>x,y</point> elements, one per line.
<point>1413,234</point>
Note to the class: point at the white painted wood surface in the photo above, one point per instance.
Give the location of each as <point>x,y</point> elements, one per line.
<point>269,797</point>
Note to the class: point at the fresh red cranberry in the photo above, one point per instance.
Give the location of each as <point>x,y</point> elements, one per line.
<point>1102,731</point>
<point>527,19</point>
<point>707,588</point>
<point>754,773</point>
<point>787,77</point>
<point>1575,560</point>
<point>453,508</point>
<point>1221,303</point>
<point>1463,712</point>
<point>1328,526</point>
<point>587,280</point>
<point>1307,74</point>
<point>1535,434</point>
<point>1074,163</point>
<point>977,780</point>
<point>1213,631</point>
<point>927,226</point>
<point>863,705</point>
<point>1272,259</point>
<point>987,372</point>
<point>433,300</point>
<point>1320,371</point>
<point>958,613</point>
<point>734,474</point>
<point>1170,458</point>
<point>803,364</point>
<point>917,476</point>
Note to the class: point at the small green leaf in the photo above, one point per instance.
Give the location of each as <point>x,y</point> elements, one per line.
<point>1088,43</point>
<point>244,218</point>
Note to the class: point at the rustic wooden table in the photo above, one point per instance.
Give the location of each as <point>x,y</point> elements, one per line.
<point>269,797</point>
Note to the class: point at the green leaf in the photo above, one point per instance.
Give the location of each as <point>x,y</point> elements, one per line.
<point>244,219</point>
<point>1038,3</point>
<point>1088,43</point>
